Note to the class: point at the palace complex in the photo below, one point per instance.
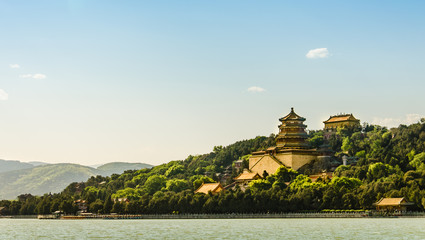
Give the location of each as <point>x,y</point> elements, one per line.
<point>292,149</point>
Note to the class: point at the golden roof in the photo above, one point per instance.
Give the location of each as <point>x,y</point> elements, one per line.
<point>206,187</point>
<point>292,116</point>
<point>247,176</point>
<point>390,201</point>
<point>341,118</point>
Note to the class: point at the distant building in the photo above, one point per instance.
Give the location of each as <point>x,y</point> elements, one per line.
<point>2,210</point>
<point>392,204</point>
<point>223,178</point>
<point>292,149</point>
<point>340,121</point>
<point>247,176</point>
<point>239,164</point>
<point>323,176</point>
<point>82,205</point>
<point>228,169</point>
<point>214,188</point>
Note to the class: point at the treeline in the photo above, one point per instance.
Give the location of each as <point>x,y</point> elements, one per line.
<point>389,163</point>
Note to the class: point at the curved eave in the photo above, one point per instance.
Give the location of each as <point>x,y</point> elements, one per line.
<point>350,120</point>
<point>292,116</point>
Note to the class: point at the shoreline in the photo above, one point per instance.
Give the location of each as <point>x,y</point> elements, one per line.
<point>220,216</point>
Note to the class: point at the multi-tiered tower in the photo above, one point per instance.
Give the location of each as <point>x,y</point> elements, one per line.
<point>292,133</point>
<point>292,149</point>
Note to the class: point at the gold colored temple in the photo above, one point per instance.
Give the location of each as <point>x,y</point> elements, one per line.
<point>341,121</point>
<point>214,188</point>
<point>292,149</point>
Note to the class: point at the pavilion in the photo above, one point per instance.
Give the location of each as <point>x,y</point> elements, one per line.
<point>392,204</point>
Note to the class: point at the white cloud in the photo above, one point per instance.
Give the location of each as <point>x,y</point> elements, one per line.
<point>395,122</point>
<point>14,65</point>
<point>25,76</point>
<point>35,76</point>
<point>318,53</point>
<point>256,89</point>
<point>3,95</point>
<point>39,76</point>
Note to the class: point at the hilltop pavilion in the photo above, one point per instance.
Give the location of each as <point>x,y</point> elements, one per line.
<point>340,121</point>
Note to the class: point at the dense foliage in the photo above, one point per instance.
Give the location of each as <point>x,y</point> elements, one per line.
<point>388,163</point>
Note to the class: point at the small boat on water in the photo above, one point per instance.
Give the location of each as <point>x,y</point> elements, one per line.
<point>48,216</point>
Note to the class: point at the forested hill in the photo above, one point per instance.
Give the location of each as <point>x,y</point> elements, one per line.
<point>222,157</point>
<point>388,163</point>
<point>45,178</point>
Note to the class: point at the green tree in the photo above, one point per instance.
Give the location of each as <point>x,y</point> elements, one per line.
<point>284,174</point>
<point>107,206</point>
<point>118,207</point>
<point>96,206</point>
<point>129,193</point>
<point>379,170</point>
<point>177,185</point>
<point>198,180</point>
<point>67,207</point>
<point>418,161</point>
<point>154,183</point>
<point>343,182</point>
<point>260,184</point>
<point>174,170</point>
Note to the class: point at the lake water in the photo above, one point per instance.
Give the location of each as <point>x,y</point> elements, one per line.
<point>360,228</point>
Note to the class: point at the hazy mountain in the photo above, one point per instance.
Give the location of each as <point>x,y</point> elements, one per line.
<point>42,179</point>
<point>53,177</point>
<point>35,163</point>
<point>95,165</point>
<point>120,167</point>
<point>10,165</point>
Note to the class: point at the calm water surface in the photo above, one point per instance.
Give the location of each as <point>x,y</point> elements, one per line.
<point>363,228</point>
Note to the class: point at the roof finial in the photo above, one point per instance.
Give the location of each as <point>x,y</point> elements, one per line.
<point>292,109</point>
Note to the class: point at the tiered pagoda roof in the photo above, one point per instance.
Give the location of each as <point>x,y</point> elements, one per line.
<point>292,133</point>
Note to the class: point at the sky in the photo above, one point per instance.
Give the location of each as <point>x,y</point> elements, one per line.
<point>92,82</point>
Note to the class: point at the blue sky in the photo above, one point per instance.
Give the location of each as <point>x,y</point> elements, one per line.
<point>152,81</point>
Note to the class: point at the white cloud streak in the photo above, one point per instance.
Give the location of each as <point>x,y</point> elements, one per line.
<point>39,76</point>
<point>3,95</point>
<point>256,89</point>
<point>35,76</point>
<point>318,53</point>
<point>395,122</point>
<point>14,65</point>
<point>25,76</point>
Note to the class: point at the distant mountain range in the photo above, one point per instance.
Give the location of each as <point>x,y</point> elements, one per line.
<point>38,178</point>
<point>6,166</point>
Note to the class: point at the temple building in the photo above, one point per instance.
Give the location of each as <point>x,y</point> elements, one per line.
<point>392,204</point>
<point>243,179</point>
<point>292,149</point>
<point>340,121</point>
<point>214,188</point>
